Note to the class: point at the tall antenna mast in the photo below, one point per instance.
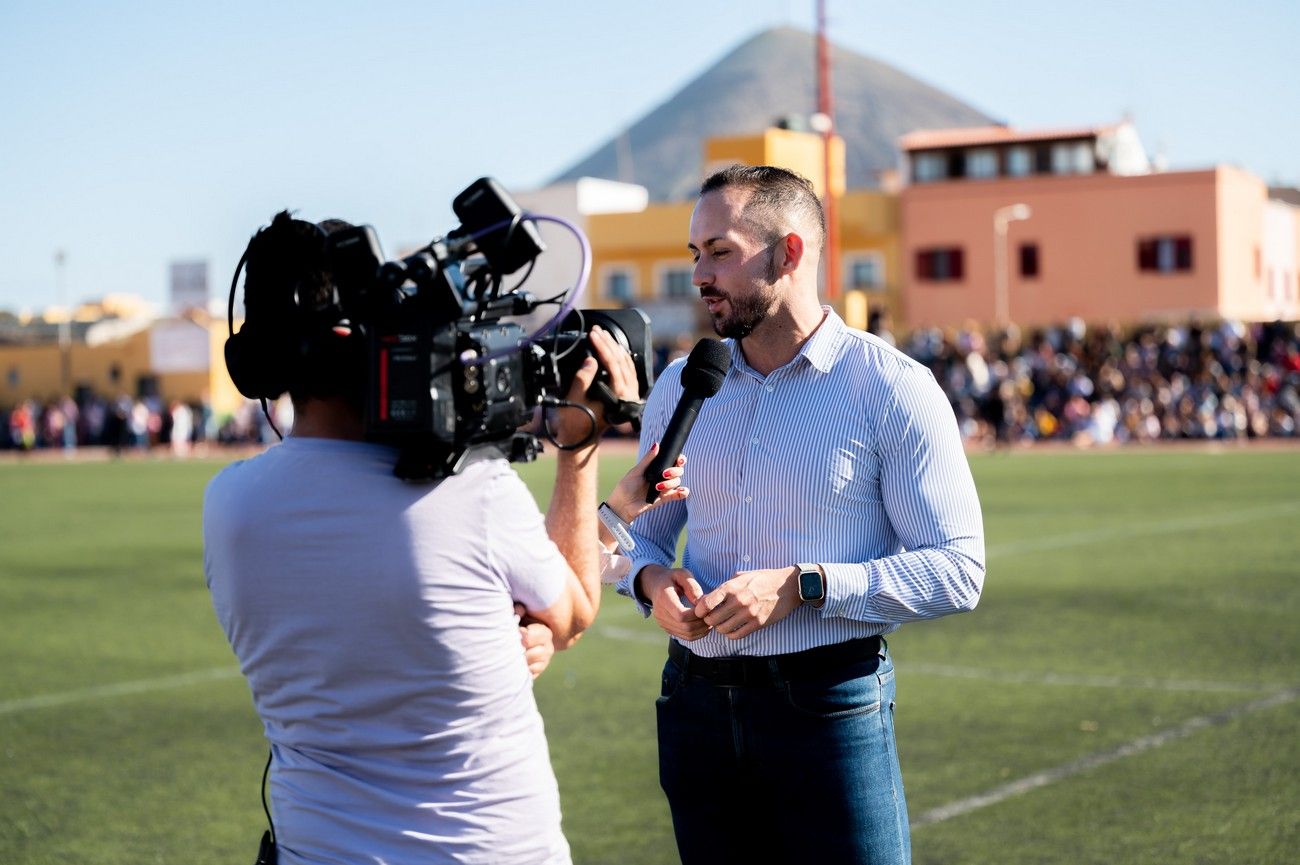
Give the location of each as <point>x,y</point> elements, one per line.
<point>826,108</point>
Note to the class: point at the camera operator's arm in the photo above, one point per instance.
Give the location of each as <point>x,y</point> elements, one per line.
<point>571,519</point>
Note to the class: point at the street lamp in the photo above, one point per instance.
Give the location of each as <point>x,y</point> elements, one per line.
<point>1002,217</point>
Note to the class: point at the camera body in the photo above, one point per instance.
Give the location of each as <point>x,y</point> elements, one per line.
<point>449,376</point>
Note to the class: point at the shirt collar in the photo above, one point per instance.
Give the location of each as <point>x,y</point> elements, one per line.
<point>819,351</point>
<point>824,344</point>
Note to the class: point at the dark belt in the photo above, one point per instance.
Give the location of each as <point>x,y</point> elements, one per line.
<point>769,669</point>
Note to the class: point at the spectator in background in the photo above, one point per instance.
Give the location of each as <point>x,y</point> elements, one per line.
<point>22,426</point>
<point>182,428</point>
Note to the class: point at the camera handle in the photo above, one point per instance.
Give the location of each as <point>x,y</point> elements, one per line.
<point>617,410</point>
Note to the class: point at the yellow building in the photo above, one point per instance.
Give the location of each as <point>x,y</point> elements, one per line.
<point>174,358</point>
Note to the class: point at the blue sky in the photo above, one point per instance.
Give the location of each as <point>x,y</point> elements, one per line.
<point>134,134</point>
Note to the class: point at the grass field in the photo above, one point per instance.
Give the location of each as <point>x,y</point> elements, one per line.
<point>1127,692</point>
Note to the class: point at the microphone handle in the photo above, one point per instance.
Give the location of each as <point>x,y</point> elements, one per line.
<point>679,427</point>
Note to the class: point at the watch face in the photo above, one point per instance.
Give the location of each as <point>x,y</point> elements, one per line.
<point>810,585</point>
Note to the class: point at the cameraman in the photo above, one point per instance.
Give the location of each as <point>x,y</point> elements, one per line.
<point>375,619</point>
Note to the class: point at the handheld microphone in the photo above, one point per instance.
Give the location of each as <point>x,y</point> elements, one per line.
<point>701,378</point>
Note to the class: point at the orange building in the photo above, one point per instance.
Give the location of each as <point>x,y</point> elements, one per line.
<point>1038,227</point>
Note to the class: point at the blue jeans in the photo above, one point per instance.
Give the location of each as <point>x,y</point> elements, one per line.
<point>787,771</point>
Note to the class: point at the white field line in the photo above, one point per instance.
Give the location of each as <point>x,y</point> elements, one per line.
<point>651,636</point>
<point>1093,761</point>
<point>120,689</point>
<point>1138,529</point>
<point>936,815</point>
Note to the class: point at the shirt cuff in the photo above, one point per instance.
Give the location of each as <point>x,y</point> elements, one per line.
<point>613,567</point>
<point>845,582</point>
<point>624,586</point>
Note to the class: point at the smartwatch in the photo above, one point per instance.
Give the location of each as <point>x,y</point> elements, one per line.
<point>812,584</point>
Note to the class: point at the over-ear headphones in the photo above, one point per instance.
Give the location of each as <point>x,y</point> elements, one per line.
<point>289,316</point>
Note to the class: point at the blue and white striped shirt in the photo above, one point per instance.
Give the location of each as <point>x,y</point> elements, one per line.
<point>848,456</point>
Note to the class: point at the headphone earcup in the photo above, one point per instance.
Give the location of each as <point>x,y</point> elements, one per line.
<point>256,372</point>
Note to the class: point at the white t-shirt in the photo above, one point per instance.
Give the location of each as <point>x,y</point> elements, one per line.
<point>373,620</point>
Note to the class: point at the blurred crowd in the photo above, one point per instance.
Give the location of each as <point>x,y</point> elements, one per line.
<point>133,425</point>
<point>1089,384</point>
<point>1076,383</point>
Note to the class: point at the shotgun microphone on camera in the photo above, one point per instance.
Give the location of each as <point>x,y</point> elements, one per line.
<point>702,377</point>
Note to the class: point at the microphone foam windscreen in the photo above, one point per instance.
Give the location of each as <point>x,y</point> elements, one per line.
<point>706,367</point>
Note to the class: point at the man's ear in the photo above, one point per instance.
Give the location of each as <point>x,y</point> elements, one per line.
<point>789,253</point>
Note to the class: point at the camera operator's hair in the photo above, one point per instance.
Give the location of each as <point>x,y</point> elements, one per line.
<point>778,198</point>
<point>290,297</point>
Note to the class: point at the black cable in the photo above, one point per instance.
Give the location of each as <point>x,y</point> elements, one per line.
<point>564,403</point>
<point>527,273</point>
<point>271,420</point>
<point>555,339</point>
<point>267,852</point>
<point>266,773</point>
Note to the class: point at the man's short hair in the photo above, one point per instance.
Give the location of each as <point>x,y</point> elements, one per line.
<point>780,201</point>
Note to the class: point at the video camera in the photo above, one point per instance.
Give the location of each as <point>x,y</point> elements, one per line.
<point>449,377</point>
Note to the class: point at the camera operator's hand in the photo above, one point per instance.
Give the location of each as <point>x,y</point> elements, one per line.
<point>620,365</point>
<point>537,640</point>
<point>569,425</point>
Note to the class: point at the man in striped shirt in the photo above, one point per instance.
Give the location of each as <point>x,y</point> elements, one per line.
<point>830,502</point>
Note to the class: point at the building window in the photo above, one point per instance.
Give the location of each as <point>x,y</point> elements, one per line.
<point>982,162</point>
<point>1043,159</point>
<point>865,272</point>
<point>927,167</point>
<point>1169,254</point>
<point>943,264</point>
<point>1072,157</point>
<point>618,285</point>
<point>1020,161</point>
<point>675,282</point>
<point>956,164</point>
<point>1029,260</point>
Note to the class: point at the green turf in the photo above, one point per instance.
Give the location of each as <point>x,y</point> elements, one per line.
<point>1133,594</point>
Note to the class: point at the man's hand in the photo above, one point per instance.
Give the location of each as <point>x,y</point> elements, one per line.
<point>748,601</point>
<point>664,588</point>
<point>538,642</point>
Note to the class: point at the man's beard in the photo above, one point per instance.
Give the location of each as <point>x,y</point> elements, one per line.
<point>746,315</point>
<point>751,311</point>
